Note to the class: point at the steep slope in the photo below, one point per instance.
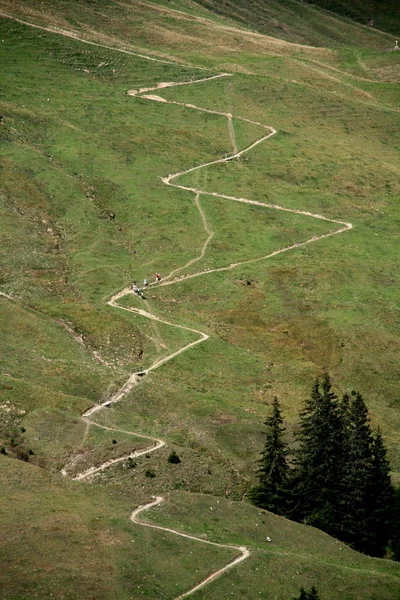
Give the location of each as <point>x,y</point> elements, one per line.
<point>304,23</point>
<point>382,14</point>
<point>85,210</point>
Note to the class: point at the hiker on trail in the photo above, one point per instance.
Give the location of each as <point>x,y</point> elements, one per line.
<point>136,289</point>
<point>145,282</point>
<point>158,278</point>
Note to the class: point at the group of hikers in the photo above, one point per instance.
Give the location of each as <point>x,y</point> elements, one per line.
<point>137,290</point>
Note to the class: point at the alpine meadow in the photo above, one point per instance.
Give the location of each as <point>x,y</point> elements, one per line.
<point>199,300</point>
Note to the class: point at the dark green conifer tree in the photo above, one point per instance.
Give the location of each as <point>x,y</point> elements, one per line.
<point>357,477</point>
<point>395,536</point>
<point>344,415</point>
<point>319,460</point>
<point>344,410</point>
<point>381,499</point>
<point>311,595</point>
<point>273,471</point>
<point>341,480</point>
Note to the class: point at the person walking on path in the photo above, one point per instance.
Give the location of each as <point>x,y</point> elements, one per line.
<point>137,289</point>
<point>158,278</point>
<point>145,282</point>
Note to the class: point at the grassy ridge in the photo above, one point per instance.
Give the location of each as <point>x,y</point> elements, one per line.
<point>225,34</point>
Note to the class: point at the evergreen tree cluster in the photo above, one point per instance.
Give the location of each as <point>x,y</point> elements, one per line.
<point>311,595</point>
<point>339,480</point>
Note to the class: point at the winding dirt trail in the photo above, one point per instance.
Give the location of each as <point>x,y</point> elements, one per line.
<point>244,552</point>
<point>172,278</point>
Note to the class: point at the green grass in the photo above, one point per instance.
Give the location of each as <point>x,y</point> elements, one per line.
<point>226,35</point>
<point>285,561</point>
<point>81,538</point>
<point>77,524</point>
<point>100,445</point>
<point>245,133</point>
<point>76,149</point>
<point>162,339</point>
<point>340,293</point>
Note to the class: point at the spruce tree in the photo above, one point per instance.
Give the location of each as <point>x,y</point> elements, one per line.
<point>395,534</point>
<point>380,500</point>
<point>273,471</point>
<point>344,410</point>
<point>319,459</point>
<point>311,595</point>
<point>357,477</point>
<point>341,480</point>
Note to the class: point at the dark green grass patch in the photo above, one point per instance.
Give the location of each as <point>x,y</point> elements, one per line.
<point>301,22</point>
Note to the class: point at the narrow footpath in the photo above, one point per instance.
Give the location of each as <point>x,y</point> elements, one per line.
<point>135,378</point>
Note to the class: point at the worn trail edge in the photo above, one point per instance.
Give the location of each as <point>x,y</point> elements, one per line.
<point>135,378</point>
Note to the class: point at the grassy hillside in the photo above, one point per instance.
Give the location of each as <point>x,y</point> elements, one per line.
<point>384,14</point>
<point>305,23</point>
<point>84,212</point>
<point>78,542</point>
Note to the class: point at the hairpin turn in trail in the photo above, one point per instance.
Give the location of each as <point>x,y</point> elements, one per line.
<point>135,378</point>
<point>170,180</point>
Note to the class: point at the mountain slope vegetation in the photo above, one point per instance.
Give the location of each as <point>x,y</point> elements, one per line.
<point>303,22</point>
<point>382,14</point>
<point>84,212</point>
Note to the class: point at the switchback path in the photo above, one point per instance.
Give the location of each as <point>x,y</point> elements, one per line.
<point>135,378</point>
<point>172,278</point>
<point>244,552</point>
